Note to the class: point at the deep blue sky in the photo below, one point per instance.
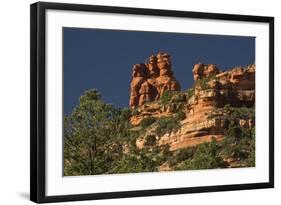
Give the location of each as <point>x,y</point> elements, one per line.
<point>103,59</point>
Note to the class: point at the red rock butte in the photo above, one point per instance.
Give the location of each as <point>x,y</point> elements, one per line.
<point>235,87</point>
<point>151,79</point>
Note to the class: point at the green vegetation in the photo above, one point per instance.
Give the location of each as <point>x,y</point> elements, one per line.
<point>190,92</point>
<point>239,141</point>
<point>239,144</point>
<point>206,156</point>
<point>146,122</point>
<point>163,125</point>
<point>150,140</point>
<point>134,162</point>
<point>181,155</point>
<point>135,112</point>
<point>180,115</point>
<point>91,136</point>
<point>204,82</point>
<point>169,97</point>
<point>166,97</point>
<point>167,125</point>
<point>99,139</point>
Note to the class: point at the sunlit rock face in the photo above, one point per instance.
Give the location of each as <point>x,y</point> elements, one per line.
<point>150,80</point>
<point>212,89</point>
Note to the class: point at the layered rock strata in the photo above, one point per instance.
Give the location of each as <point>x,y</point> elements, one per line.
<point>212,89</point>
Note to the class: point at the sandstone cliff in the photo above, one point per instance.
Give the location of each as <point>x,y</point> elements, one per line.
<point>155,94</point>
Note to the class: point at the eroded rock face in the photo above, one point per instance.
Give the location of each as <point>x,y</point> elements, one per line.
<point>201,70</point>
<point>150,80</point>
<point>213,89</point>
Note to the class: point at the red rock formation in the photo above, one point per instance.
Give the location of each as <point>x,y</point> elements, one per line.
<point>150,80</point>
<point>201,70</point>
<point>213,89</point>
<point>166,79</point>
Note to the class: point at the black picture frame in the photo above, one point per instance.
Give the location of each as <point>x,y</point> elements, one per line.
<point>38,101</point>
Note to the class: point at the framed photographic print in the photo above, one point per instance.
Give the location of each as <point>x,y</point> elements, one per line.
<point>129,102</point>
